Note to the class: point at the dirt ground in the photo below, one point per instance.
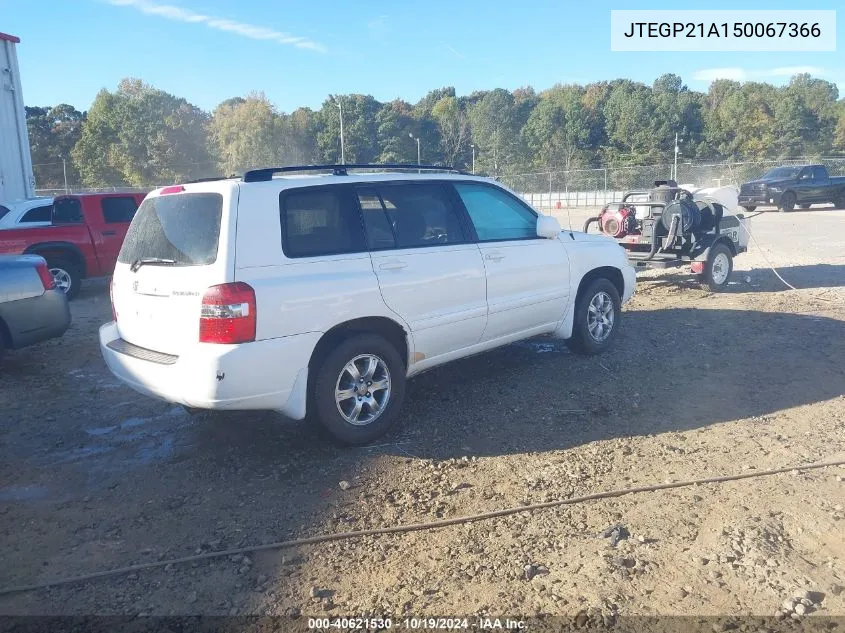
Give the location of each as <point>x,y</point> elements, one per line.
<point>95,477</point>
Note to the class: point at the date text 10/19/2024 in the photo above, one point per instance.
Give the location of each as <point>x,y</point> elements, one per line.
<point>723,30</point>
<point>431,624</point>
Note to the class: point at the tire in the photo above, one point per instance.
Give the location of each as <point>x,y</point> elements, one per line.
<point>839,203</point>
<point>804,206</point>
<point>66,275</point>
<point>749,209</point>
<point>718,268</point>
<point>787,202</point>
<point>333,376</point>
<point>589,304</point>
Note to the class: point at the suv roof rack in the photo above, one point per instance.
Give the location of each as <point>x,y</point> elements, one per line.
<point>263,175</point>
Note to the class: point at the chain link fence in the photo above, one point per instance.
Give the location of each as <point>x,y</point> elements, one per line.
<point>596,187</point>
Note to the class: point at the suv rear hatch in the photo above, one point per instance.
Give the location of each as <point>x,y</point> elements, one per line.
<point>175,249</point>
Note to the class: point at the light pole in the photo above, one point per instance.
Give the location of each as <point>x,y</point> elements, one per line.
<point>336,100</point>
<point>417,139</point>
<point>64,172</point>
<point>473,158</point>
<point>675,176</point>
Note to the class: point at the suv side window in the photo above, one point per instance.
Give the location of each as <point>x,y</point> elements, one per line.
<point>496,214</point>
<point>118,210</point>
<point>320,221</point>
<point>38,214</point>
<point>819,173</point>
<point>410,215</point>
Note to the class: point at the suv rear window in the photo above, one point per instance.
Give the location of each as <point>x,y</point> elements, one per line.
<point>183,227</point>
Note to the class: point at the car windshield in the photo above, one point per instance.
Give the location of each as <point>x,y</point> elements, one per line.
<point>782,172</point>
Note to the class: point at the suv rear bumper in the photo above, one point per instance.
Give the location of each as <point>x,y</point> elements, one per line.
<point>264,375</point>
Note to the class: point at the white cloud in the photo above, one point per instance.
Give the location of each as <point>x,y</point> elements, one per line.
<point>712,74</point>
<point>242,29</point>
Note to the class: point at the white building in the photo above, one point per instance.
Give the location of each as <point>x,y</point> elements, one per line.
<point>16,179</point>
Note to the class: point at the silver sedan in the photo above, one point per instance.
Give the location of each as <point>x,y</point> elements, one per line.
<point>31,308</point>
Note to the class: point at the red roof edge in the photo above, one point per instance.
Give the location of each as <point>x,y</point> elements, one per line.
<point>10,38</point>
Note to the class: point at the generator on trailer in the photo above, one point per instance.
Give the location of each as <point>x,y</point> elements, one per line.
<point>670,226</point>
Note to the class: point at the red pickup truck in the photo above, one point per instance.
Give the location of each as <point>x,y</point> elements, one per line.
<point>83,240</point>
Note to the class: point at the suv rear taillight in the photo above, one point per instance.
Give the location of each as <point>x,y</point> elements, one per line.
<point>46,276</point>
<point>228,314</point>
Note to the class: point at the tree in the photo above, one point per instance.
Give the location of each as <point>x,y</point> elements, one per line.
<point>247,133</point>
<point>495,131</point>
<point>359,129</point>
<point>142,136</point>
<point>628,114</point>
<point>453,126</point>
<point>52,134</point>
<point>558,130</point>
<point>394,122</point>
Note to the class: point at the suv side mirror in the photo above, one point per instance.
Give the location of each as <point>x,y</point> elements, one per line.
<point>548,227</point>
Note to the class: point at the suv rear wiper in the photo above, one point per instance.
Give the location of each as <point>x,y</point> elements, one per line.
<point>150,260</point>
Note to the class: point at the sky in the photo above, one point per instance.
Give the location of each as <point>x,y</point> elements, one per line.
<point>298,51</point>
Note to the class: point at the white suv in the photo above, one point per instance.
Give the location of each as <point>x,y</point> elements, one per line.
<point>322,293</point>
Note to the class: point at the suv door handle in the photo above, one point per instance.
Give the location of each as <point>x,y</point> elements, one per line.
<point>393,266</point>
<point>494,256</point>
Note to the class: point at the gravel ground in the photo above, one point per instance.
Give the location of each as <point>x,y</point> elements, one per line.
<point>94,476</point>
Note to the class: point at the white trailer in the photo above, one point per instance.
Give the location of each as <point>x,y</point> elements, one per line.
<point>16,179</point>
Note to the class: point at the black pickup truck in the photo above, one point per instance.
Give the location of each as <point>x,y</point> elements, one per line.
<point>788,187</point>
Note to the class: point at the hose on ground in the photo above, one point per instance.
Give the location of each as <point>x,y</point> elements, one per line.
<point>414,527</point>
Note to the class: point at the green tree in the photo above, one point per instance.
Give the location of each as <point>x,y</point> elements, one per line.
<point>247,133</point>
<point>52,134</point>
<point>453,127</point>
<point>558,130</point>
<point>628,114</point>
<point>394,122</point>
<point>495,131</point>
<point>142,136</point>
<point>359,129</point>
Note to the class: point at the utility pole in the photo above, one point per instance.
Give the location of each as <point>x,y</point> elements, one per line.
<point>417,139</point>
<point>64,171</point>
<point>337,102</point>
<point>473,158</point>
<point>675,175</point>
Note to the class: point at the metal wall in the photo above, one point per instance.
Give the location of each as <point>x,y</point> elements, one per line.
<point>16,179</point>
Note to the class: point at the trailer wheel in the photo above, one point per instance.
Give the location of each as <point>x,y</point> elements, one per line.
<point>718,268</point>
<point>787,202</point>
